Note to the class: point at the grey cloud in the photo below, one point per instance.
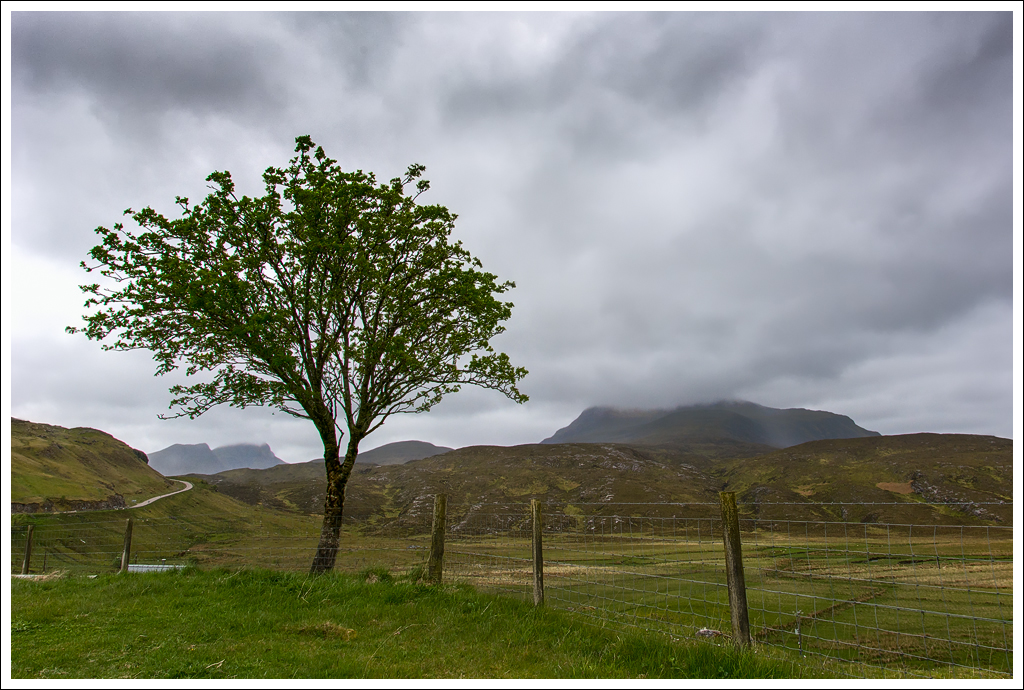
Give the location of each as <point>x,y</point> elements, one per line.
<point>361,45</point>
<point>597,96</point>
<point>146,64</point>
<point>808,209</point>
<point>673,62</point>
<point>976,71</point>
<point>927,85</point>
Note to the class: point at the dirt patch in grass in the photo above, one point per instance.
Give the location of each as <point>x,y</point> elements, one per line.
<point>895,487</point>
<point>328,630</point>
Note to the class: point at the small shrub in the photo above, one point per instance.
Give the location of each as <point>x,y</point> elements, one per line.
<point>416,574</point>
<point>375,574</point>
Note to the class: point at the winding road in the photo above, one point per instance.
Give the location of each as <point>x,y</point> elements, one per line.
<point>188,485</point>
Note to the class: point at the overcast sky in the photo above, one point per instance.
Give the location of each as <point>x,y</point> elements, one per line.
<point>801,210</point>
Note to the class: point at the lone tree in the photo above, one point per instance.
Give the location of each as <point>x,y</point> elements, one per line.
<point>332,298</point>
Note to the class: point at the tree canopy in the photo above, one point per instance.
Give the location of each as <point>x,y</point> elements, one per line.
<point>332,297</point>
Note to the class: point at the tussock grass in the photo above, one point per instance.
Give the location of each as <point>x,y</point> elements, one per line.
<point>263,624</point>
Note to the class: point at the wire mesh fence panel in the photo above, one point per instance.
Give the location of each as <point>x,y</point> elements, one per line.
<point>399,546</point>
<point>490,548</point>
<point>79,545</point>
<point>909,597</point>
<point>874,599</point>
<point>657,573</point>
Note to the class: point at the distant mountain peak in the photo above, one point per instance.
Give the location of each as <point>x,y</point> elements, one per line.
<point>400,452</point>
<point>725,420</point>
<point>198,458</point>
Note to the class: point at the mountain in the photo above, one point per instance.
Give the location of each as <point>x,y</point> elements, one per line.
<point>247,455</point>
<point>183,458</point>
<point>744,423</point>
<point>882,478</point>
<point>59,469</point>
<point>400,453</point>
<point>965,472</point>
<point>199,458</point>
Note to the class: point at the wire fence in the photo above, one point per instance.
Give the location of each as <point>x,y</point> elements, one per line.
<point>869,599</point>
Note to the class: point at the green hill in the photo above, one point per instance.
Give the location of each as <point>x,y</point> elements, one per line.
<point>487,475</point>
<point>53,468</point>
<point>400,452</point>
<point>959,470</point>
<point>804,482</point>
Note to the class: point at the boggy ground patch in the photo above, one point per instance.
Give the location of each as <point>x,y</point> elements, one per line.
<point>896,487</point>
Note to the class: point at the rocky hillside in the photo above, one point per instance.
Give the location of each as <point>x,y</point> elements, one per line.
<point>802,482</point>
<point>961,471</point>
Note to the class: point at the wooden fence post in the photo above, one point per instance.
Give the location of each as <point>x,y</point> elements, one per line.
<point>126,554</point>
<point>734,569</point>
<point>538,553</point>
<point>25,564</point>
<point>435,563</point>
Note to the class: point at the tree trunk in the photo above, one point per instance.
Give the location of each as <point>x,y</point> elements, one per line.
<point>334,503</point>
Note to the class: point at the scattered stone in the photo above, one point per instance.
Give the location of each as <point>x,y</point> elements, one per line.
<point>708,632</point>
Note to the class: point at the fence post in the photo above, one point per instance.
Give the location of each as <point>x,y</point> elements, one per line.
<point>435,563</point>
<point>126,554</point>
<point>28,551</point>
<point>734,569</point>
<point>538,553</point>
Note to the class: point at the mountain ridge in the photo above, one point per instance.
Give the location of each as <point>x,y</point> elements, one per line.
<point>736,421</point>
<point>920,478</point>
<point>185,458</point>
<point>400,452</point>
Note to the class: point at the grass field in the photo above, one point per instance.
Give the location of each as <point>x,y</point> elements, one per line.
<point>883,598</point>
<point>879,600</point>
<point>265,624</point>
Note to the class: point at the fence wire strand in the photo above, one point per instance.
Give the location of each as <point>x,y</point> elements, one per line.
<point>869,598</point>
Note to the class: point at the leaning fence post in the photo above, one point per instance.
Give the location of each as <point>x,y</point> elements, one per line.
<point>538,553</point>
<point>126,554</point>
<point>734,569</point>
<point>28,551</point>
<point>436,561</point>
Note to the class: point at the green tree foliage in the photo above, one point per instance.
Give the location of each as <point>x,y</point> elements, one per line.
<point>332,298</point>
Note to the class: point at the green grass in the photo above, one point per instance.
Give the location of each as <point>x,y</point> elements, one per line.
<point>264,624</point>
<point>61,465</point>
<point>887,600</point>
<point>198,526</point>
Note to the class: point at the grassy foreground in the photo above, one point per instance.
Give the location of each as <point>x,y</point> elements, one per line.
<point>264,624</point>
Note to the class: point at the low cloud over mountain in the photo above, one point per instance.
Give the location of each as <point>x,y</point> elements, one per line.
<point>743,422</point>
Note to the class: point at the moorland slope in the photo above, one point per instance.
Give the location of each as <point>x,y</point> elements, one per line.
<point>58,469</point>
<point>400,452</point>
<point>908,474</point>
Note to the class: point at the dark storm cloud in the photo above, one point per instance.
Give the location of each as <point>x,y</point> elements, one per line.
<point>598,92</point>
<point>359,44</point>
<point>803,209</point>
<point>148,64</point>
